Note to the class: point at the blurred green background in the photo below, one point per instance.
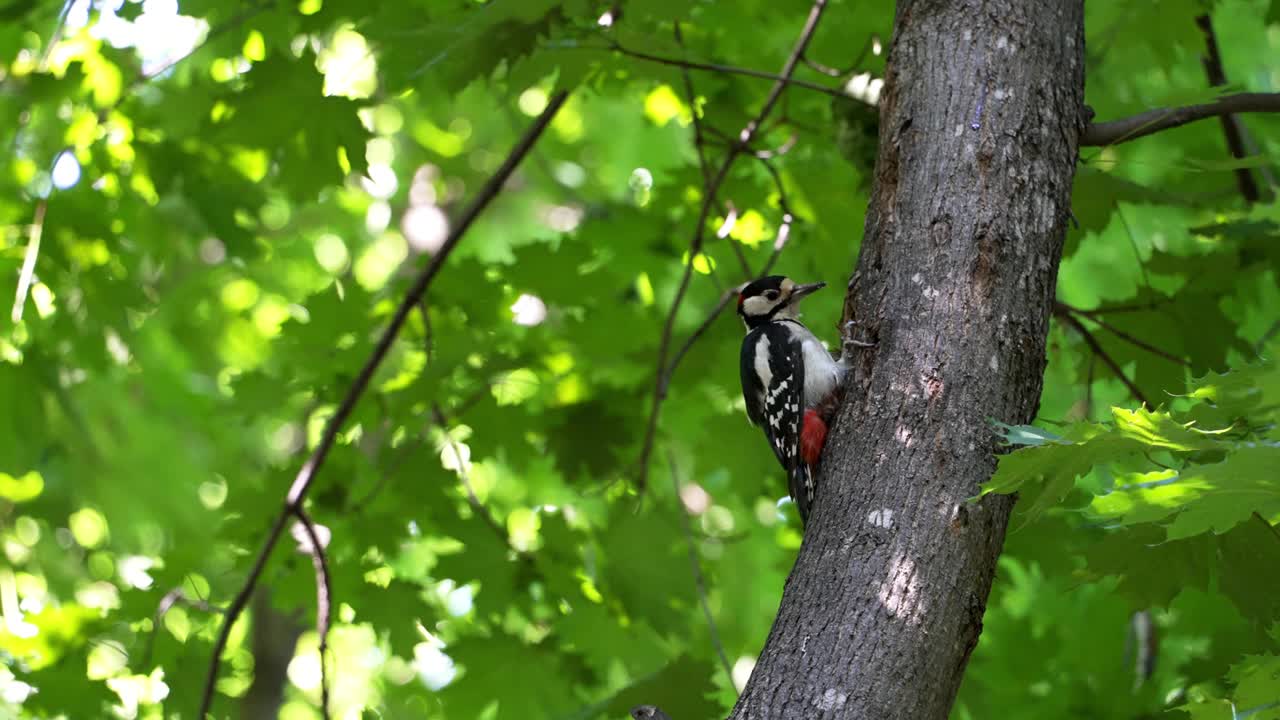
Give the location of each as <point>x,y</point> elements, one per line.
<point>224,202</point>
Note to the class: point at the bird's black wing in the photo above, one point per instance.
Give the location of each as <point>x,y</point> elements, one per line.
<point>777,405</point>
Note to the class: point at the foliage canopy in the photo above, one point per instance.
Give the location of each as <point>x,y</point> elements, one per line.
<point>224,205</point>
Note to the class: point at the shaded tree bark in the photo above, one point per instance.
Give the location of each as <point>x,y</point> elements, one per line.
<point>980,121</point>
<point>274,637</point>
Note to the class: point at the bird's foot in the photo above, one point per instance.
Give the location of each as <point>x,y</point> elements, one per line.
<point>849,340</point>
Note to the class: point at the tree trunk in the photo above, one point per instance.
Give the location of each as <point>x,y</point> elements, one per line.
<point>980,120</point>
<point>274,639</point>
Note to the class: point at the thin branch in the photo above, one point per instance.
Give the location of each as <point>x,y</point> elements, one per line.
<point>717,68</point>
<point>1217,76</point>
<point>56,36</point>
<point>302,483</point>
<point>824,69</point>
<point>1271,332</point>
<point>1133,245</point>
<point>1129,308</point>
<point>1114,132</point>
<point>389,472</point>
<point>661,377</point>
<point>1088,388</point>
<point>779,151</point>
<point>695,567</point>
<point>324,600</point>
<point>29,261</point>
<point>1137,342</point>
<point>788,217</point>
<point>730,220</point>
<point>700,146</point>
<point>720,305</point>
<point>175,596</point>
<point>691,98</point>
<point>1093,344</point>
<point>1274,531</point>
<point>465,477</point>
<point>428,334</point>
<point>724,233</point>
<point>853,66</point>
<point>215,32</point>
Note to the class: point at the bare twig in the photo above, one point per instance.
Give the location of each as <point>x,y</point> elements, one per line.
<point>662,378</point>
<point>1114,132</point>
<point>1088,388</point>
<point>1128,308</point>
<point>1093,344</point>
<point>1231,129</point>
<point>56,36</point>
<point>302,483</point>
<point>1137,342</point>
<point>473,500</point>
<point>428,335</point>
<point>1133,245</point>
<point>691,98</point>
<point>465,477</point>
<point>388,473</point>
<point>699,142</point>
<point>720,305</point>
<point>788,217</point>
<point>853,66</point>
<point>730,220</point>
<point>1274,531</point>
<point>215,32</point>
<point>1271,332</point>
<point>699,583</point>
<point>713,67</point>
<point>175,596</point>
<point>29,261</point>
<point>324,600</point>
<point>779,151</point>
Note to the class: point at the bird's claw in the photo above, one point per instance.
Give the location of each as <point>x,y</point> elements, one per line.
<point>847,335</point>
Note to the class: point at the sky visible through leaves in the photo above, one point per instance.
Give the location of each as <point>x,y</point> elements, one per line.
<point>209,211</point>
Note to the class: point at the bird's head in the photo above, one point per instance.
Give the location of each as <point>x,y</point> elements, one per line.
<point>772,298</point>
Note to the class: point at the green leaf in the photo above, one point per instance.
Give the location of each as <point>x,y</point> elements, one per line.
<point>1158,430</point>
<point>284,111</point>
<point>521,681</point>
<point>21,489</point>
<point>1052,467</point>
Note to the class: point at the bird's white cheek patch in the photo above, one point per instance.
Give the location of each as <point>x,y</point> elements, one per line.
<point>756,306</point>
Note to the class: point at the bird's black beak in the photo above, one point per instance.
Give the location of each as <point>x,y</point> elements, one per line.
<point>801,290</point>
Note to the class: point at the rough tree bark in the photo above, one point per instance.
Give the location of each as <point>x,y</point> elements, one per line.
<point>980,121</point>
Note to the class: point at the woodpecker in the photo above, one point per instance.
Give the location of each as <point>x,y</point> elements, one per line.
<point>788,378</point>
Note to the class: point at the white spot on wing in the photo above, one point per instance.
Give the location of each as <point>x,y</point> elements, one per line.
<point>762,360</point>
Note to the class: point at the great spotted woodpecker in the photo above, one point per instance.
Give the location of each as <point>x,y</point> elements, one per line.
<point>788,379</point>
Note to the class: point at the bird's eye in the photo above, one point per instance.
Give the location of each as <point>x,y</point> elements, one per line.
<point>771,295</point>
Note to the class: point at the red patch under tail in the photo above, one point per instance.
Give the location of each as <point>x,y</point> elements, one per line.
<point>813,435</point>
